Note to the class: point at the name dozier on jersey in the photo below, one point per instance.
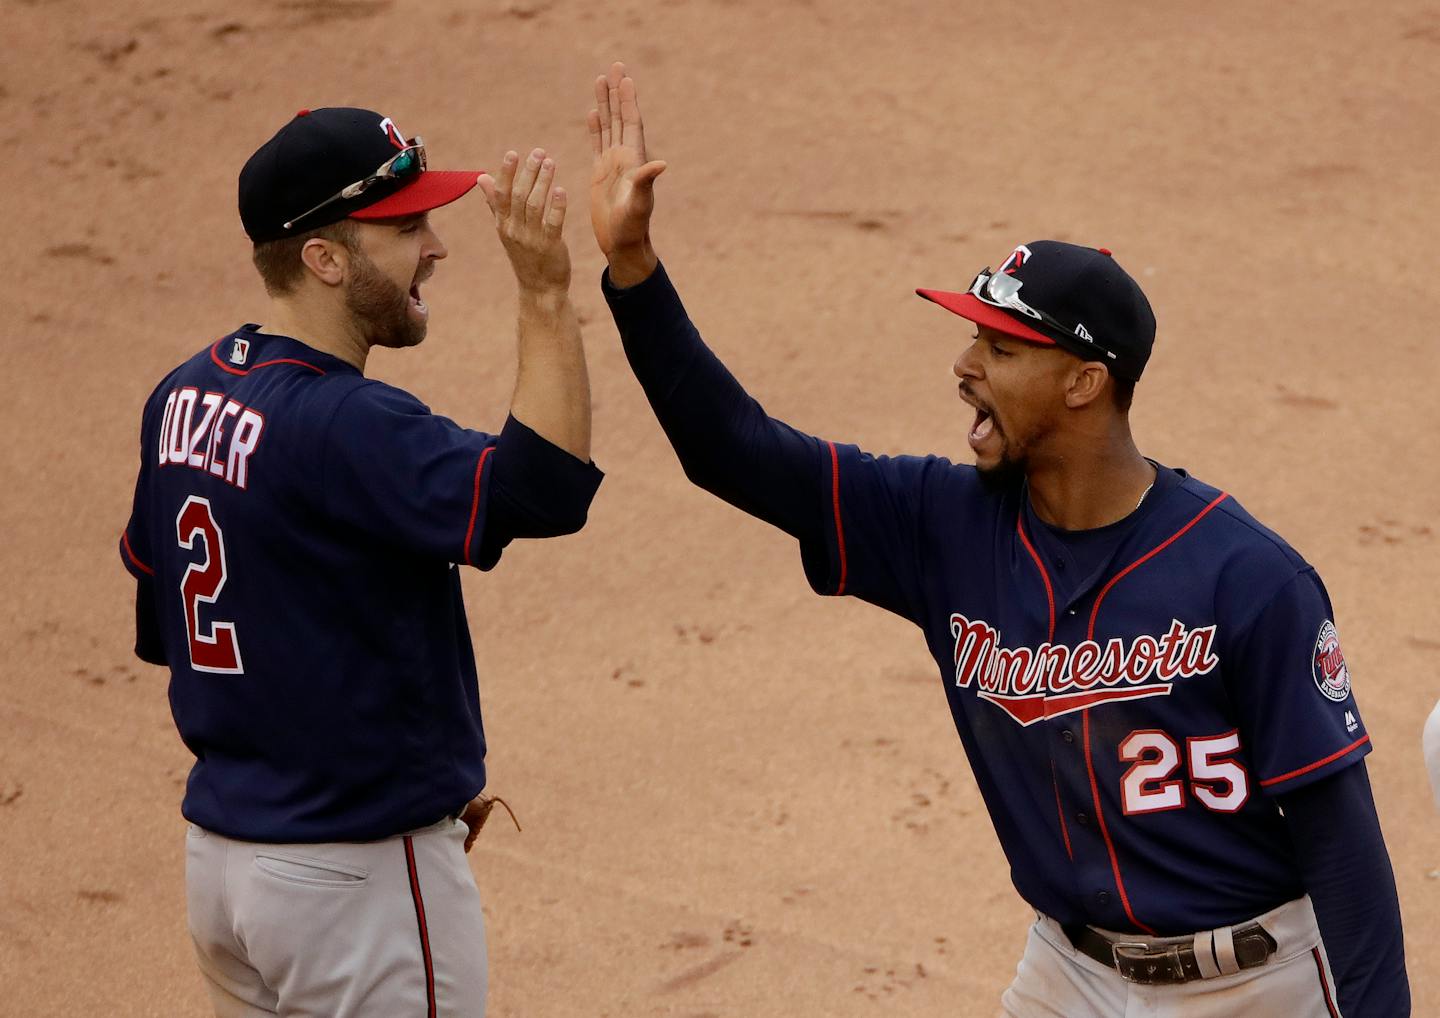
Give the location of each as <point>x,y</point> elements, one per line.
<point>186,444</point>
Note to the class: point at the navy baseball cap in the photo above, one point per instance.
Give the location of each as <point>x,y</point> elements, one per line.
<point>336,163</point>
<point>1058,294</point>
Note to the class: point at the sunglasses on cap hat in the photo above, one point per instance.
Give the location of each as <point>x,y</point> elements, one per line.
<point>1003,291</point>
<point>408,162</point>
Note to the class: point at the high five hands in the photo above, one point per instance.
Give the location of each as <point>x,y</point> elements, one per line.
<point>529,208</point>
<point>622,180</point>
<point>529,212</point>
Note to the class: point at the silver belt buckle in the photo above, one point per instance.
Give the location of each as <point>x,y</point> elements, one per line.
<point>1147,965</point>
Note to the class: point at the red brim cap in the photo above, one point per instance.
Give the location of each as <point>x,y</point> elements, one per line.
<point>430,190</point>
<point>967,305</point>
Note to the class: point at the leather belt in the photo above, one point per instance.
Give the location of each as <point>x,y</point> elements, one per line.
<point>1165,960</point>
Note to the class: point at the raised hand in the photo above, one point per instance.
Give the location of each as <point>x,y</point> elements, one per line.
<point>622,181</point>
<point>530,218</point>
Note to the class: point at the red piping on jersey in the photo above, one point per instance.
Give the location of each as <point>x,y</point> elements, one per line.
<point>1317,764</point>
<point>475,502</point>
<point>125,540</point>
<point>835,500</point>
<point>1105,832</point>
<point>214,356</point>
<point>424,931</point>
<point>1060,811</point>
<point>1050,600</point>
<point>1095,612</point>
<point>1324,983</point>
<point>1049,591</point>
<point>1089,763</point>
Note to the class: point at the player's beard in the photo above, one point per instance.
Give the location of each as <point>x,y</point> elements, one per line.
<point>380,308</point>
<point>1007,473</point>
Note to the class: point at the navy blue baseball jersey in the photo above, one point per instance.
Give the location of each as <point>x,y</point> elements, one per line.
<point>295,536</point>
<point>1132,701</point>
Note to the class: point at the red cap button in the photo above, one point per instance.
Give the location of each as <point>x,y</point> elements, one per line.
<point>303,113</point>
<point>1106,252</point>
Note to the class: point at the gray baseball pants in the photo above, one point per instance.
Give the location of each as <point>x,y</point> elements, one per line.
<point>1054,980</point>
<point>338,930</point>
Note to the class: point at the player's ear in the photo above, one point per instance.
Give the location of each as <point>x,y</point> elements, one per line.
<point>1087,383</point>
<point>326,259</point>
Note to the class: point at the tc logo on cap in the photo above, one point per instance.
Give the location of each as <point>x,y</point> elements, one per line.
<point>1016,259</point>
<point>387,126</point>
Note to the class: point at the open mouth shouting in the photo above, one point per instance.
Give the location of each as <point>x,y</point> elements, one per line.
<point>984,426</point>
<point>417,303</point>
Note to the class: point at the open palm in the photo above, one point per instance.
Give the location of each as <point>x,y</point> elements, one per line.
<point>622,193</point>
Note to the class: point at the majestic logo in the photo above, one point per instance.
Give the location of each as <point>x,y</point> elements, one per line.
<point>239,351</point>
<point>1350,723</point>
<point>387,126</point>
<point>1031,683</point>
<point>1328,664</point>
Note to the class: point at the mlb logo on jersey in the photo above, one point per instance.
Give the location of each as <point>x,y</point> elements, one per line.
<point>1332,677</point>
<point>239,351</point>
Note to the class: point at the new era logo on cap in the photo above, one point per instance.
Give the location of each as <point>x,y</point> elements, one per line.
<point>321,153</point>
<point>1058,294</point>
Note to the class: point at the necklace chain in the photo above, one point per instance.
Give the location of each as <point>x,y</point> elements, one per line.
<point>1143,494</point>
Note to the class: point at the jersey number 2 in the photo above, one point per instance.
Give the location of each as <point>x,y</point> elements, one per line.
<point>1216,779</point>
<point>214,648</point>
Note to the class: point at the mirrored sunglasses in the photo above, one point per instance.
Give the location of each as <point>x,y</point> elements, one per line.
<point>408,162</point>
<point>1002,291</point>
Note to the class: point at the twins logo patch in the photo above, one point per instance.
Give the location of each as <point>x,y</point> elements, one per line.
<point>1328,664</point>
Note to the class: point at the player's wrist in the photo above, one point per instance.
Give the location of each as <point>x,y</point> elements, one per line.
<point>632,264</point>
<point>549,299</point>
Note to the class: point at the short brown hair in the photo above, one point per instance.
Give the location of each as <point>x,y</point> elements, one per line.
<point>278,261</point>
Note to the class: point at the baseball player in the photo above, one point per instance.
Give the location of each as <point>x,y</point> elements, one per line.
<point>295,537</point>
<point>1148,684</point>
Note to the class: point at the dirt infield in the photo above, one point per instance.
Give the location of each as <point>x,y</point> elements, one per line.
<point>738,799</point>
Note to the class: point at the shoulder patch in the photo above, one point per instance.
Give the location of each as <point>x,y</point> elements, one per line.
<point>1327,664</point>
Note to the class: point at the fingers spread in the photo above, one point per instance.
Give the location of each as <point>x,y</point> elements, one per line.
<point>524,181</point>
<point>602,109</point>
<point>617,75</point>
<point>500,204</point>
<point>555,213</point>
<point>592,122</point>
<point>486,184</point>
<point>540,192</point>
<point>630,116</point>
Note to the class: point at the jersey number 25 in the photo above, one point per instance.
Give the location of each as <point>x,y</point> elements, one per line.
<point>1216,779</point>
<point>215,648</point>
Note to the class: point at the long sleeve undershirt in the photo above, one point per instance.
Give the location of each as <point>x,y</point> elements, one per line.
<point>1341,855</point>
